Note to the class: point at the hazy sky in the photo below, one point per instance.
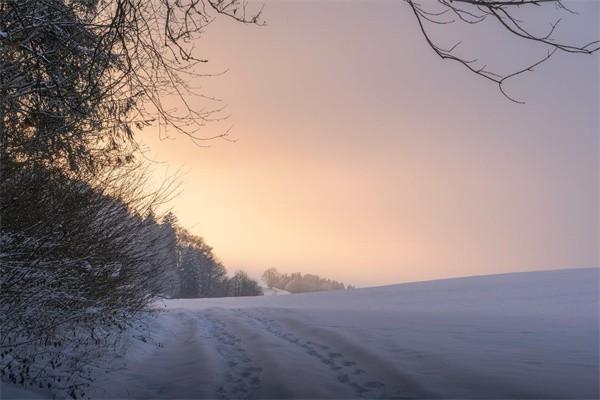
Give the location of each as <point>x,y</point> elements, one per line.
<point>363,157</point>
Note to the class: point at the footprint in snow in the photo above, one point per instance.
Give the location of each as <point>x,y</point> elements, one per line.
<point>242,377</point>
<point>346,370</point>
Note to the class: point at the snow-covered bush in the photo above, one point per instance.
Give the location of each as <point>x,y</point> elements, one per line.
<point>78,264</point>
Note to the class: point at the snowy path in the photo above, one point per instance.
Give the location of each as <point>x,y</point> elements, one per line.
<point>523,335</point>
<point>242,354</point>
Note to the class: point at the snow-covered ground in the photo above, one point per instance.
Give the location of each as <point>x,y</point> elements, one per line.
<point>267,291</point>
<point>526,335</point>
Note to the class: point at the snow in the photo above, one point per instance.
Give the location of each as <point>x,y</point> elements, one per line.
<point>527,335</point>
<point>3,35</point>
<point>10,391</point>
<point>267,291</point>
<point>522,335</point>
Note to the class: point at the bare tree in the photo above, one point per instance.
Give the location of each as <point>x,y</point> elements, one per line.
<point>77,76</point>
<point>514,17</point>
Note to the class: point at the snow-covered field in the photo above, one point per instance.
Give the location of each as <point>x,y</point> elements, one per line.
<point>526,335</point>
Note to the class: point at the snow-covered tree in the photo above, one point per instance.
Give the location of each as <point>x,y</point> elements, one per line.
<point>271,276</point>
<point>77,76</point>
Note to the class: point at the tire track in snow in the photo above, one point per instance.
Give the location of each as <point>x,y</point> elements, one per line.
<point>346,371</point>
<point>241,376</point>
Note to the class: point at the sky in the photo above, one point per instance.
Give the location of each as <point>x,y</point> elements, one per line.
<point>361,156</point>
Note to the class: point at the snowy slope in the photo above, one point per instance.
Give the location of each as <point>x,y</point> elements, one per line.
<point>526,335</point>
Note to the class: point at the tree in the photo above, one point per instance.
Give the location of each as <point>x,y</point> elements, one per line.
<point>203,270</point>
<point>270,277</point>
<point>190,273</point>
<point>516,18</point>
<point>77,76</point>
<point>170,255</point>
<point>81,254</point>
<point>299,283</point>
<point>241,285</point>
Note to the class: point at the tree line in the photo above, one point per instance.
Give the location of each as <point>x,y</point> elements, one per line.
<point>82,254</point>
<point>193,270</point>
<point>300,283</point>
<point>80,262</point>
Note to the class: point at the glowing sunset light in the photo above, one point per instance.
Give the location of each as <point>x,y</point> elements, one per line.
<point>360,155</point>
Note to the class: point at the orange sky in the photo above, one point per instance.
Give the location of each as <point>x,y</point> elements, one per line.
<point>362,157</point>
